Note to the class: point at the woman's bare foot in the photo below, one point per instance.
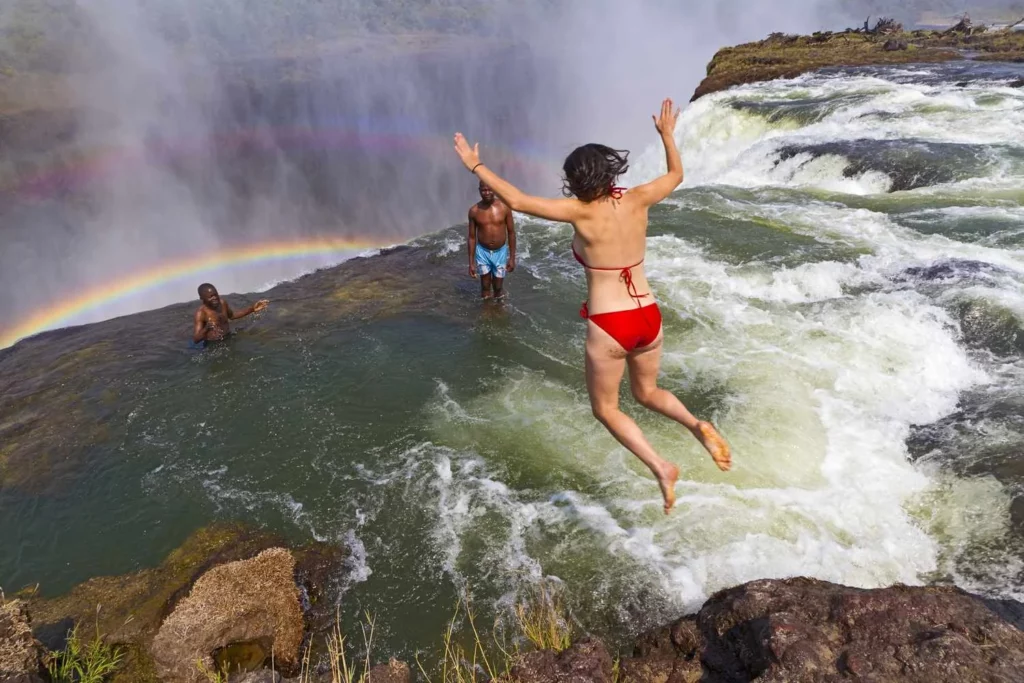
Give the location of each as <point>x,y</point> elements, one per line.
<point>667,481</point>
<point>715,445</point>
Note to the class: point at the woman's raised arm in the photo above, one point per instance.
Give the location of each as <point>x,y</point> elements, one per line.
<point>564,210</point>
<point>659,188</point>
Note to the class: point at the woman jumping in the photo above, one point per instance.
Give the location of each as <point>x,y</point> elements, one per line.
<point>624,322</point>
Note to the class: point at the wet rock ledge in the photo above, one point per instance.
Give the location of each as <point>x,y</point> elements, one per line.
<point>235,598</point>
<point>788,56</point>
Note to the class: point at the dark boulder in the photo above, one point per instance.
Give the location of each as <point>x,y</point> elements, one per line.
<point>587,661</point>
<point>809,631</point>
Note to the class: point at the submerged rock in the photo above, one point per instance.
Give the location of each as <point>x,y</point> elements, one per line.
<point>20,652</point>
<point>264,676</point>
<point>255,602</point>
<point>805,630</point>
<point>952,268</point>
<point>392,672</point>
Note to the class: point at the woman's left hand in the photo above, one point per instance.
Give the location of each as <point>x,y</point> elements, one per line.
<point>470,155</point>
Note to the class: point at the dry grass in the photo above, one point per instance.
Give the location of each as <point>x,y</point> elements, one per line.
<point>460,665</point>
<point>468,655</point>
<point>341,670</point>
<point>542,620</point>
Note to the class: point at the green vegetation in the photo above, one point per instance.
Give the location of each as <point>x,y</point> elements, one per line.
<point>84,662</point>
<point>467,655</point>
<point>542,620</point>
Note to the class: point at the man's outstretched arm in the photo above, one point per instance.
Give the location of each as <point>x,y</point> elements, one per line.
<point>255,308</point>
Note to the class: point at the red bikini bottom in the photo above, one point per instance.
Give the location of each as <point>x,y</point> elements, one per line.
<point>633,328</point>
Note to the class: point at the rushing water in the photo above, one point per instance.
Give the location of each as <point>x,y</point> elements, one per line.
<point>842,278</point>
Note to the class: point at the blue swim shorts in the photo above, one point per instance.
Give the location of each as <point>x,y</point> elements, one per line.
<point>488,261</point>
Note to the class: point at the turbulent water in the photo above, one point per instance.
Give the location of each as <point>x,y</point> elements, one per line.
<point>842,279</point>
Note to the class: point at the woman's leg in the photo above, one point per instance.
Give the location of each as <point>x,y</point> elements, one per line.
<point>606,361</point>
<point>644,365</point>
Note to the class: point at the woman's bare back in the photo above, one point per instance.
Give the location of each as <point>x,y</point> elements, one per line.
<point>611,234</point>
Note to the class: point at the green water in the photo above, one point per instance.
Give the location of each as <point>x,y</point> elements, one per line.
<point>449,444</point>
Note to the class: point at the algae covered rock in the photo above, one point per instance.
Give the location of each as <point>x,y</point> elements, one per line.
<point>129,609</point>
<point>20,652</point>
<point>254,602</point>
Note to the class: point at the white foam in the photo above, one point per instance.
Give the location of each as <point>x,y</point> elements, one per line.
<point>823,369</point>
<point>722,144</point>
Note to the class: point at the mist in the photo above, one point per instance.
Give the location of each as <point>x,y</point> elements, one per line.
<point>164,130</point>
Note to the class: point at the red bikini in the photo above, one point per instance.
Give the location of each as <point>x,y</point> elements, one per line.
<point>633,328</point>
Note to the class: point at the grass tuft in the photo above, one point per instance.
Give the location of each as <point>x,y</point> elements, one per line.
<point>84,662</point>
<point>339,665</point>
<point>542,620</point>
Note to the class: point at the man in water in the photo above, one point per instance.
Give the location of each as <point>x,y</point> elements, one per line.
<point>490,225</point>
<point>211,320</point>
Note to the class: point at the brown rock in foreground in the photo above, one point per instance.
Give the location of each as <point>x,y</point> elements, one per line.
<point>586,661</point>
<point>20,652</point>
<point>134,605</point>
<point>392,672</point>
<point>250,601</point>
<point>804,631</point>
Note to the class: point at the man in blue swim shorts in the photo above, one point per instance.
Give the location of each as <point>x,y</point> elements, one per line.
<point>492,243</point>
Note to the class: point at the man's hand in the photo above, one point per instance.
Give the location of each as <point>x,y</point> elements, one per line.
<point>665,123</point>
<point>511,263</point>
<point>472,270</point>
<point>260,305</point>
<point>470,155</point>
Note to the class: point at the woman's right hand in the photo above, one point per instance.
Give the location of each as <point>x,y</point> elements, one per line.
<point>470,155</point>
<point>665,123</point>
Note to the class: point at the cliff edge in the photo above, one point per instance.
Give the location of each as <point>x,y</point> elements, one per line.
<point>788,56</point>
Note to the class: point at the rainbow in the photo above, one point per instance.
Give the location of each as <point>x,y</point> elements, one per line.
<point>58,314</point>
<point>73,170</point>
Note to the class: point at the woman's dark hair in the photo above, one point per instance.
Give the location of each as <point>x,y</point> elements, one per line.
<point>591,170</point>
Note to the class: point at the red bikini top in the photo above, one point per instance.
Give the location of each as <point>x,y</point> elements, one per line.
<point>625,274</point>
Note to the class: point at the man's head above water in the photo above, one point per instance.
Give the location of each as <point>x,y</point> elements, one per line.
<point>486,193</point>
<point>209,296</point>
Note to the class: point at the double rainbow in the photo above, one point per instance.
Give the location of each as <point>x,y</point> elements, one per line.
<point>58,314</point>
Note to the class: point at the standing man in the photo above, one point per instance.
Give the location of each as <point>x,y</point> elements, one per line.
<point>490,226</point>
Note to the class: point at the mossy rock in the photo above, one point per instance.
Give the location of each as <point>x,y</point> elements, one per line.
<point>136,667</point>
<point>128,609</point>
<point>784,56</point>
